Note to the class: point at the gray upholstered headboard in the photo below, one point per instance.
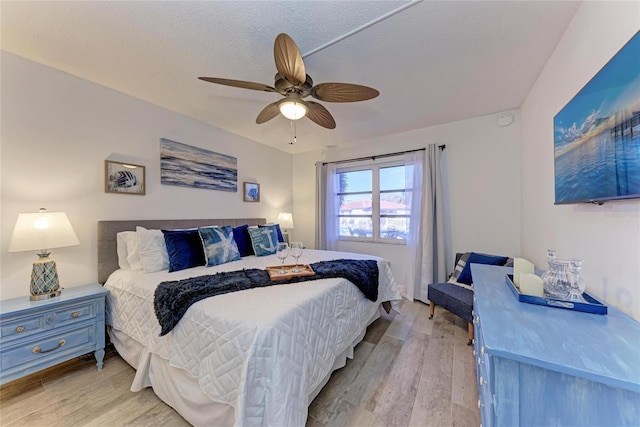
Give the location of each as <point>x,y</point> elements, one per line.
<point>107,230</point>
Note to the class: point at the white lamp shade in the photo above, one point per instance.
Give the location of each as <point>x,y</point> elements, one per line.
<point>293,110</point>
<point>42,230</point>
<point>285,219</point>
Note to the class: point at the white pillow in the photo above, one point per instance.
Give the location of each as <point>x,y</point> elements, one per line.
<point>121,246</point>
<point>153,250</point>
<point>128,250</point>
<point>133,252</point>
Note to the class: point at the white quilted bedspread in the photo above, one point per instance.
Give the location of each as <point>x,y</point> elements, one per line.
<point>261,351</point>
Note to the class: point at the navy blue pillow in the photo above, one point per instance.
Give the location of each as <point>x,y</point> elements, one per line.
<point>184,248</point>
<point>243,240</point>
<point>278,232</point>
<point>465,275</point>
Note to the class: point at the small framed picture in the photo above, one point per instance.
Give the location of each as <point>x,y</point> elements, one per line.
<point>124,178</point>
<point>251,192</point>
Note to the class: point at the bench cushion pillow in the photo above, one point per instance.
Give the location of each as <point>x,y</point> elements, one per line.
<point>474,258</point>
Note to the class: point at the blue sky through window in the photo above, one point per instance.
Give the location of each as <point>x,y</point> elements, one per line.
<point>391,178</point>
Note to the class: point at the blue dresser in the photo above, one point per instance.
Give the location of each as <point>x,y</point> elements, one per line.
<point>543,366</point>
<point>38,334</point>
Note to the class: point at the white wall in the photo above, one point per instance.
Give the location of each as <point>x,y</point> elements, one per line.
<point>57,130</point>
<point>484,180</point>
<point>607,237</point>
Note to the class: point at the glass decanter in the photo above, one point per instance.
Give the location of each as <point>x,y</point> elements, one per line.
<point>546,276</point>
<point>557,281</point>
<point>576,284</point>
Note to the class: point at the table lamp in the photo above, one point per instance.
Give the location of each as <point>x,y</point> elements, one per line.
<point>42,231</point>
<point>285,219</point>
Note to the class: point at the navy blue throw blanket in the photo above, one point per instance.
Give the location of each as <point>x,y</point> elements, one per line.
<point>173,298</point>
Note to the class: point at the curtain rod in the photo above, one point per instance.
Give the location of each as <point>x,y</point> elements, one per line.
<point>359,159</point>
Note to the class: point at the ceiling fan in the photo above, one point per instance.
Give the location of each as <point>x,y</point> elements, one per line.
<point>293,82</point>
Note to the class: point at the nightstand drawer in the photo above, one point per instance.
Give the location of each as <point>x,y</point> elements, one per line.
<point>53,346</point>
<point>75,313</point>
<point>23,326</point>
<point>26,325</point>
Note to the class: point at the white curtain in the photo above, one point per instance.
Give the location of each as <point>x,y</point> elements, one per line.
<point>320,203</point>
<point>414,178</point>
<point>327,206</point>
<point>426,239</point>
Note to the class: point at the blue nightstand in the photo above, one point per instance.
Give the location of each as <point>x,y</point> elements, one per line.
<point>38,334</point>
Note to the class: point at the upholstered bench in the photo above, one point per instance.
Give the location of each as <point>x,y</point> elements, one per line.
<point>456,295</point>
<point>455,299</point>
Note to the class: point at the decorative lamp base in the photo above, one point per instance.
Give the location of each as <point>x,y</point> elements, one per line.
<point>44,278</point>
<point>46,296</point>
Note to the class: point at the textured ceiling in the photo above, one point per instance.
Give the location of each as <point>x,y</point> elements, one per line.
<point>433,62</point>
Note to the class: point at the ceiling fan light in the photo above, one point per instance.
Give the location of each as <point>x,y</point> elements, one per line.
<point>293,110</point>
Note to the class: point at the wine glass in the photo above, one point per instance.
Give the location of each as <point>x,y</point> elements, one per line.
<point>296,252</point>
<point>576,283</point>
<point>282,252</point>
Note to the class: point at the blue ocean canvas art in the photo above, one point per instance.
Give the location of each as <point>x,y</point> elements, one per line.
<point>597,135</point>
<point>188,166</point>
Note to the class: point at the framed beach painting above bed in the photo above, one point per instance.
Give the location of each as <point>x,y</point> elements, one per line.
<point>187,166</point>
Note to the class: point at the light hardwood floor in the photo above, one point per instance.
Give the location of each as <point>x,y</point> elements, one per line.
<point>408,371</point>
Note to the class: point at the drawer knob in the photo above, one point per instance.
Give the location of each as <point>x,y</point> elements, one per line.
<point>482,350</point>
<point>482,381</point>
<point>37,348</point>
<point>20,329</point>
<point>479,361</point>
<point>75,314</point>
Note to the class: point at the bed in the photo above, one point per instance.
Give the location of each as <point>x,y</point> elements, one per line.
<point>255,357</point>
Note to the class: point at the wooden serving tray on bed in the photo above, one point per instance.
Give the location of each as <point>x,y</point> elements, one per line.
<point>274,272</point>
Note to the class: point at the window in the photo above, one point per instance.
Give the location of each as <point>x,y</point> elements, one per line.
<point>374,202</point>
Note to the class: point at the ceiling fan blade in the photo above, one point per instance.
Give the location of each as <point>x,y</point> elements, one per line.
<point>342,92</point>
<point>289,60</point>
<point>239,83</point>
<point>268,113</point>
<point>320,115</point>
